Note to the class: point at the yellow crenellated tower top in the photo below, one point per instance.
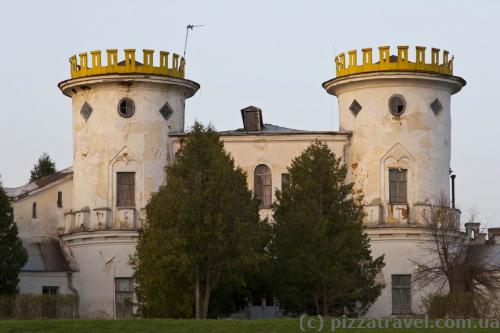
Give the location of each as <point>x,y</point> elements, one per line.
<point>392,63</point>
<point>169,65</point>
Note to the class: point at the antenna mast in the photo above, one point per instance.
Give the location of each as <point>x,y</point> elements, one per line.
<point>189,27</point>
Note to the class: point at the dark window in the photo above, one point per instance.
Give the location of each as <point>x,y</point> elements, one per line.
<point>285,180</point>
<point>86,111</point>
<point>401,294</point>
<point>124,297</point>
<point>126,107</point>
<point>33,210</point>
<point>125,189</point>
<point>262,185</point>
<point>436,106</point>
<point>355,108</point>
<point>269,299</point>
<point>397,105</point>
<point>166,111</point>
<point>257,299</point>
<point>398,185</point>
<point>50,290</point>
<point>59,199</point>
<point>49,308</point>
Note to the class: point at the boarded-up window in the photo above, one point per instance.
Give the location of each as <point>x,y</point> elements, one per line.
<point>125,189</point>
<point>124,297</point>
<point>398,186</point>
<point>401,294</point>
<point>262,185</point>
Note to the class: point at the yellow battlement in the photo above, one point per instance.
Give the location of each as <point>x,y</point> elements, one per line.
<point>169,65</point>
<point>392,63</point>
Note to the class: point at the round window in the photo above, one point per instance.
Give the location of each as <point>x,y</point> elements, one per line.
<point>126,107</point>
<point>397,105</point>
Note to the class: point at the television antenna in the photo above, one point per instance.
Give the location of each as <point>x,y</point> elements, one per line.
<point>189,27</point>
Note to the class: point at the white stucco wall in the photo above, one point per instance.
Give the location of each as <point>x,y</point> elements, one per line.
<point>33,282</point>
<point>102,256</point>
<point>402,247</point>
<point>419,140</point>
<point>49,215</point>
<point>107,143</point>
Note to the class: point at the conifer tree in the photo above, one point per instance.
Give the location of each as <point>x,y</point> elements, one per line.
<point>203,227</point>
<point>322,255</point>
<point>44,167</point>
<point>12,253</point>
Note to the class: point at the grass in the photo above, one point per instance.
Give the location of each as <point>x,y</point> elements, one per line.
<point>287,325</point>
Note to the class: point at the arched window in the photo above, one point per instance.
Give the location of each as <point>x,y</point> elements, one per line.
<point>59,199</point>
<point>262,185</point>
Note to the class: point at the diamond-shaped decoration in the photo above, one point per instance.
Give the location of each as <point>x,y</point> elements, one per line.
<point>355,107</point>
<point>166,111</point>
<point>436,106</point>
<point>86,111</point>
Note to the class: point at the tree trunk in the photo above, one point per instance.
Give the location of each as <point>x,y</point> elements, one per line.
<point>316,303</point>
<point>205,296</point>
<point>325,305</point>
<point>197,296</point>
<point>206,301</point>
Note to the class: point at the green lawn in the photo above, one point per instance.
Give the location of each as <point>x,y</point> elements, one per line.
<point>186,326</point>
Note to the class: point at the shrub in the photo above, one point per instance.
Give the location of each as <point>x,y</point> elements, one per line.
<point>29,306</point>
<point>460,305</point>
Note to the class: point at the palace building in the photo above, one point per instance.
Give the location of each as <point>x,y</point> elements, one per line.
<point>81,225</point>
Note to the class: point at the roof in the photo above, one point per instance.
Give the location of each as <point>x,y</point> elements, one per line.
<point>22,191</point>
<point>45,255</point>
<point>270,129</point>
<point>267,128</point>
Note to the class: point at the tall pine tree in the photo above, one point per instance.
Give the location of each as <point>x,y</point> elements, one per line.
<point>322,255</point>
<point>12,253</point>
<point>44,167</point>
<point>203,228</point>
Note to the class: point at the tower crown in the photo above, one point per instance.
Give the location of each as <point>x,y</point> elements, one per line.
<point>393,63</point>
<point>169,65</point>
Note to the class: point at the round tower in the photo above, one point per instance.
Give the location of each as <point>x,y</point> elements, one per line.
<point>399,114</point>
<point>123,112</point>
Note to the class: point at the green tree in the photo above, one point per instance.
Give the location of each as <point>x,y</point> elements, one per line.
<point>44,167</point>
<point>322,255</point>
<point>203,228</point>
<point>12,253</point>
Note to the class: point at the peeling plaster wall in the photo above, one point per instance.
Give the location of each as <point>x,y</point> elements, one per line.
<point>99,236</point>
<point>419,140</point>
<point>102,256</point>
<point>107,143</point>
<point>49,216</point>
<point>400,247</point>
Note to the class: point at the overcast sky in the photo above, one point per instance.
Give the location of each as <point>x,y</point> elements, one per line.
<point>273,55</point>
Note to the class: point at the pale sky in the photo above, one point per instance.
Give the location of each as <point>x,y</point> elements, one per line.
<point>273,55</point>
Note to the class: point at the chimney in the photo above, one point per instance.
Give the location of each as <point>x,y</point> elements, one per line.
<point>494,235</point>
<point>472,229</point>
<point>252,119</point>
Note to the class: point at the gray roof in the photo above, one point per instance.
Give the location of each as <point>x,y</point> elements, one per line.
<point>20,192</point>
<point>45,255</point>
<point>267,128</point>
